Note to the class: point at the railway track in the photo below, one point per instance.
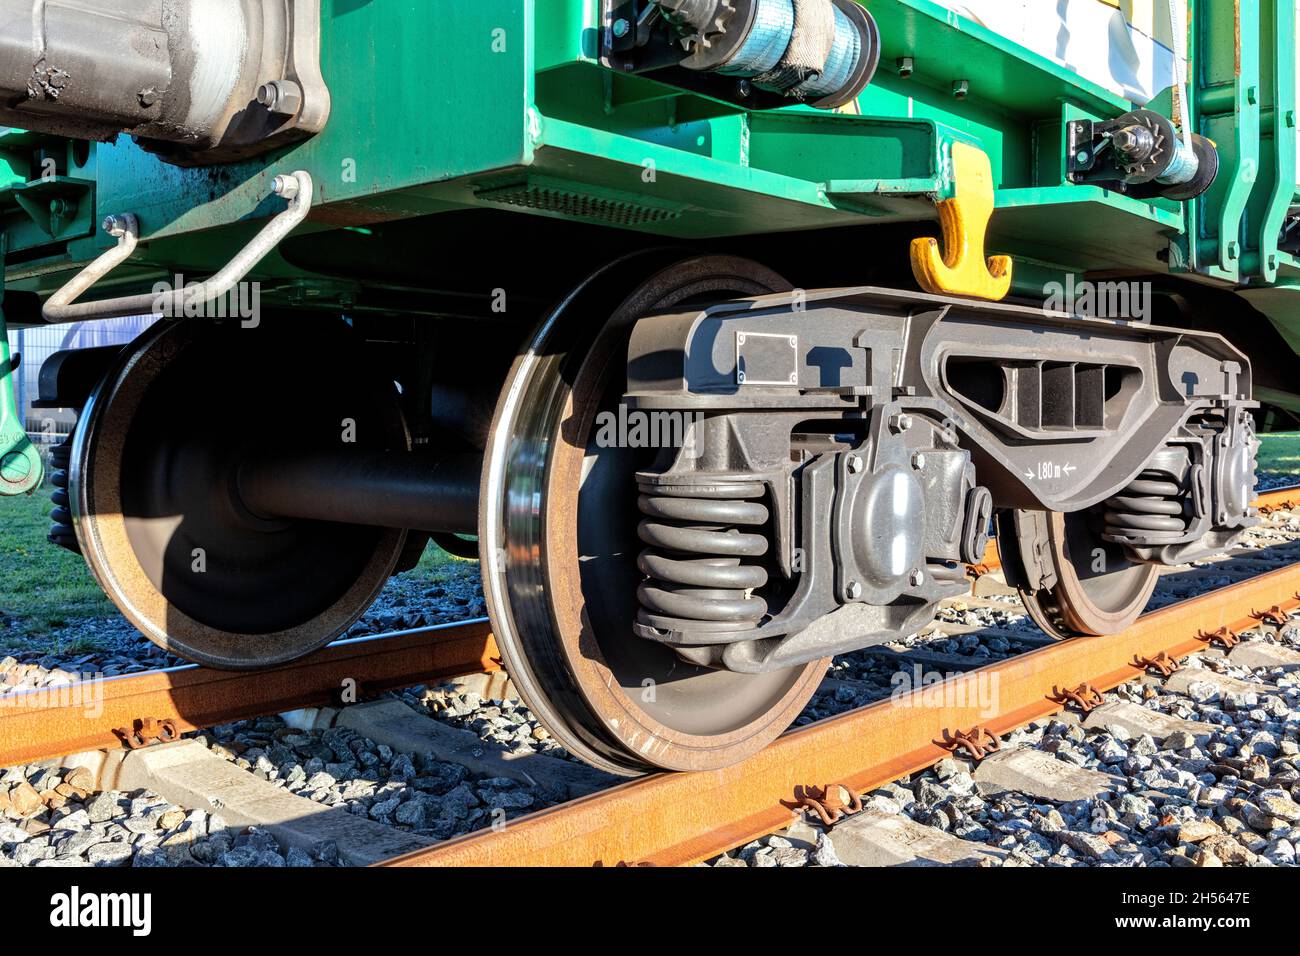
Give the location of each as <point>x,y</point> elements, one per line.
<point>855,751</point>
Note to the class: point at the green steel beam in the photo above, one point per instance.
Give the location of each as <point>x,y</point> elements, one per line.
<point>1278,131</point>
<point>513,110</point>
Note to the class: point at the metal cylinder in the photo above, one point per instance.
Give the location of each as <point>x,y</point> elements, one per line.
<point>377,489</point>
<point>183,76</point>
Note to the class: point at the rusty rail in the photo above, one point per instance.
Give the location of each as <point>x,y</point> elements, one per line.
<point>91,714</point>
<point>669,819</point>
<point>1278,499</point>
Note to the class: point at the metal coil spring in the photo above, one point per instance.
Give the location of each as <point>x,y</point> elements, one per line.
<point>698,568</point>
<point>61,531</point>
<point>1151,506</point>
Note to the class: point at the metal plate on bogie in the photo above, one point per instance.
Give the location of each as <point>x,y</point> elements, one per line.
<point>766,359</point>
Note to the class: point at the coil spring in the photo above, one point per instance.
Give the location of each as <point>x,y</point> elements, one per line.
<point>1151,506</point>
<point>62,532</point>
<point>698,567</point>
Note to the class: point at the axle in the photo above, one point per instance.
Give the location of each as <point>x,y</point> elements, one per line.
<point>383,490</point>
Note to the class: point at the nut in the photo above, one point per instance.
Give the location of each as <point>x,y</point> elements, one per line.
<point>899,422</point>
<point>916,578</point>
<point>853,590</point>
<point>855,464</point>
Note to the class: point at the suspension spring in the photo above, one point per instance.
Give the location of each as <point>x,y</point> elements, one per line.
<point>61,531</point>
<point>701,567</point>
<point>1151,508</point>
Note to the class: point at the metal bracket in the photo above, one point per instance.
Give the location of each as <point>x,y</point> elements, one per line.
<point>296,188</point>
<point>1225,637</point>
<point>21,469</point>
<point>1085,697</point>
<point>1162,664</point>
<point>962,269</point>
<point>147,731</point>
<point>828,802</point>
<point>978,742</point>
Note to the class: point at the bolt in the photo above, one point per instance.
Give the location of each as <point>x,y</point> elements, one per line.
<point>855,464</point>
<point>916,578</point>
<point>621,28</point>
<point>1081,156</point>
<point>115,225</point>
<point>280,96</point>
<point>1233,250</point>
<point>744,89</point>
<point>148,97</point>
<point>905,66</point>
<point>918,461</point>
<point>285,186</point>
<point>853,591</point>
<point>960,88</point>
<point>899,422</point>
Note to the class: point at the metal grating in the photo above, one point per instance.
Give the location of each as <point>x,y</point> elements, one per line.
<point>564,200</point>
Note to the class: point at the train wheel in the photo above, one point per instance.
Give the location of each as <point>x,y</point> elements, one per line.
<point>152,486</point>
<point>558,540</point>
<point>1097,589</point>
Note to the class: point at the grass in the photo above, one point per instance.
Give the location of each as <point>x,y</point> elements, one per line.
<point>47,588</point>
<point>44,587</point>
<point>1280,453</point>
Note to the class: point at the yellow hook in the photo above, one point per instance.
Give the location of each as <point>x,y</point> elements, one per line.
<point>963,270</point>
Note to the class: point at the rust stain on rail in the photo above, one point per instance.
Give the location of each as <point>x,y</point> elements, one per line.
<point>57,721</point>
<point>673,819</point>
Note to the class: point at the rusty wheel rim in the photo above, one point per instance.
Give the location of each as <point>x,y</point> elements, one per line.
<point>556,540</point>
<point>145,493</point>
<point>1098,591</point>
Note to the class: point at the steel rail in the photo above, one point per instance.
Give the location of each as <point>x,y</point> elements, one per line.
<point>88,715</point>
<point>1278,499</point>
<point>682,818</point>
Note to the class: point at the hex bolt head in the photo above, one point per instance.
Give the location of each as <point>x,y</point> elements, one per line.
<point>918,461</point>
<point>899,422</point>
<point>283,97</point>
<point>855,464</point>
<point>916,578</point>
<point>115,225</point>
<point>285,186</point>
<point>853,590</point>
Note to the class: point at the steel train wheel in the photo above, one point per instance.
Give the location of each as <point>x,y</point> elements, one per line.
<point>1097,590</point>
<point>153,471</point>
<point>558,542</point>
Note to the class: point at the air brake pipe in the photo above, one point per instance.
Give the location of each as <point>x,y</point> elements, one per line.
<point>376,489</point>
<point>296,188</point>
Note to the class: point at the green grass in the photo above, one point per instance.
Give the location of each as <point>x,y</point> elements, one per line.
<point>1280,453</point>
<point>44,586</point>
<point>47,588</point>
